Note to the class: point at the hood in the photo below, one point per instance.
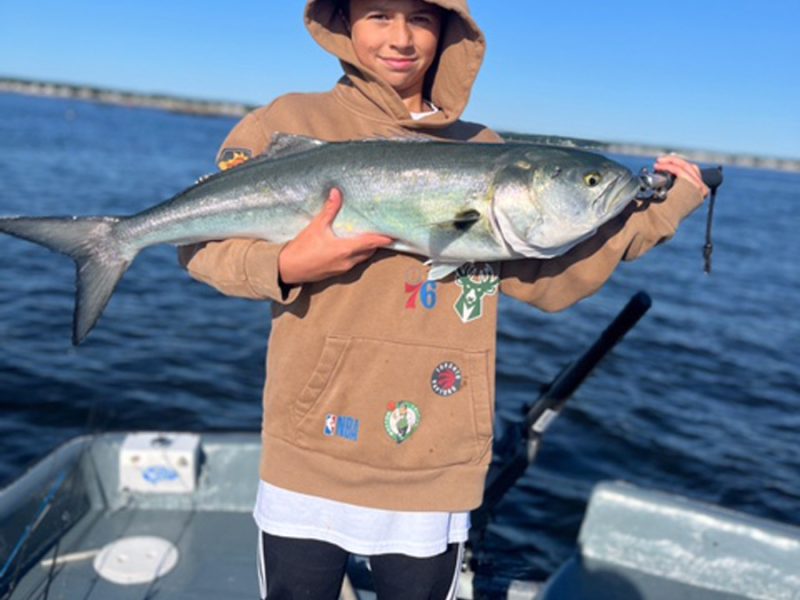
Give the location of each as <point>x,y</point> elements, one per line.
<point>449,81</point>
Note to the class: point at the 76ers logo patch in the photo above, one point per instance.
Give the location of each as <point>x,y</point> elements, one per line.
<point>446,379</point>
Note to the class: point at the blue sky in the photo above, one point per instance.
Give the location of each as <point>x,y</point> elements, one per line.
<point>706,74</point>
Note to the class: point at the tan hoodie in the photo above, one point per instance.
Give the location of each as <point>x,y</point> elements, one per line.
<point>380,385</point>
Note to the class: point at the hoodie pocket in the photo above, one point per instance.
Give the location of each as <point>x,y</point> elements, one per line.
<point>396,405</point>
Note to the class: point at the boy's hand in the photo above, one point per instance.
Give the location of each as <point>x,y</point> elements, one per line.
<point>316,253</point>
<point>680,167</point>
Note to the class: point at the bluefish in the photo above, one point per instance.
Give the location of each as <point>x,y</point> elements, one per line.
<point>451,202</point>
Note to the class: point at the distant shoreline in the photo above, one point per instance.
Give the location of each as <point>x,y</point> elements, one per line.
<point>219,108</point>
<point>712,157</point>
<point>49,89</point>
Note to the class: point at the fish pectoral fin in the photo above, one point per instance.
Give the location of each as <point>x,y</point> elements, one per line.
<point>440,270</point>
<point>466,219</point>
<point>284,144</point>
<point>462,220</point>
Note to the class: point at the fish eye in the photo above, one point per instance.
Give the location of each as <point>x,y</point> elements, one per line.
<point>592,179</point>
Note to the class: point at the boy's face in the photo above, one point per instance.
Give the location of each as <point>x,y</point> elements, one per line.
<point>396,39</point>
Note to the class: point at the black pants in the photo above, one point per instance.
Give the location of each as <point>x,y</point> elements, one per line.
<point>298,569</point>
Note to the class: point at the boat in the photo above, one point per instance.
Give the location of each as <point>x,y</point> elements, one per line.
<point>169,514</point>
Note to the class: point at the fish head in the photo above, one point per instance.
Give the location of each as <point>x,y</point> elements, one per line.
<point>548,199</point>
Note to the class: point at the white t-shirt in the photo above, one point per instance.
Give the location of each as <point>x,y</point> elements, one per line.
<point>421,115</point>
<point>359,529</point>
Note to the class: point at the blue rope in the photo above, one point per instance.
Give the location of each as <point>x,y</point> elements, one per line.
<point>31,527</point>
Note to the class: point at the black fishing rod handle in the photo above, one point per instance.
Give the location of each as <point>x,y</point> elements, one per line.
<point>711,176</point>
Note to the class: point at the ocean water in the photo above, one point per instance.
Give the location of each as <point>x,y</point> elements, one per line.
<point>702,398</point>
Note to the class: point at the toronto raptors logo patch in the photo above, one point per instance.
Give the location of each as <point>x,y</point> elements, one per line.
<point>446,379</point>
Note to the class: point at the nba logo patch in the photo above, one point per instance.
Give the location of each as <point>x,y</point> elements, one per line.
<point>341,426</point>
<point>347,428</point>
<point>330,425</point>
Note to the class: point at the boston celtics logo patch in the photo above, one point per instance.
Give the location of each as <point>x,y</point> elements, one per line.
<point>401,420</point>
<point>446,379</point>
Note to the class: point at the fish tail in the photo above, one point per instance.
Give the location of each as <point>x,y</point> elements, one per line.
<point>100,259</point>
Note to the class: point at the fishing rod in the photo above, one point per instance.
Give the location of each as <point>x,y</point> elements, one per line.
<point>541,414</point>
<point>51,518</point>
<point>656,185</point>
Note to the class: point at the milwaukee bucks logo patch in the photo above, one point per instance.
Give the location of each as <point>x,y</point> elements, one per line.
<point>476,283</point>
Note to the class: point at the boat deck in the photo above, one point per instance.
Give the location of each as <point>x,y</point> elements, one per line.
<point>202,571</point>
<point>212,527</point>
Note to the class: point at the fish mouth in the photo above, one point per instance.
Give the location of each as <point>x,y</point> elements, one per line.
<point>618,195</point>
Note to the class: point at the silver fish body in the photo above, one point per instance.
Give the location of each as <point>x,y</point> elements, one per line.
<point>450,202</point>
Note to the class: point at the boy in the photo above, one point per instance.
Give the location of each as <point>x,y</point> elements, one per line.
<point>378,407</point>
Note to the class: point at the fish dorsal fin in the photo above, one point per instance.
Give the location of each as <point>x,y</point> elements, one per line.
<point>441,268</point>
<point>285,144</point>
<point>411,138</point>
